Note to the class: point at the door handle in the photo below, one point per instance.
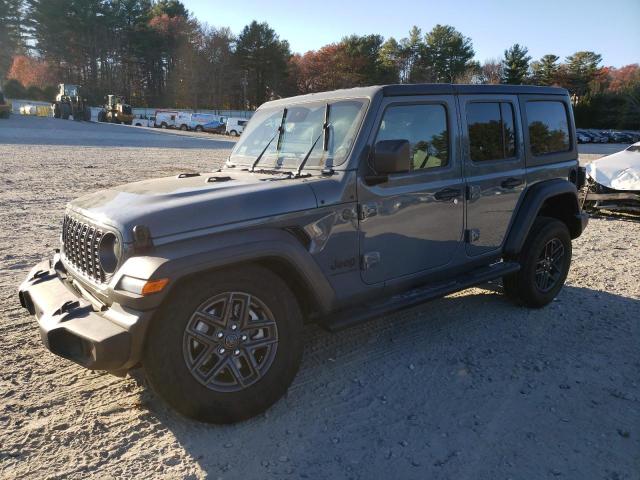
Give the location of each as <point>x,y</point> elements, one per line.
<point>447,194</point>
<point>511,183</point>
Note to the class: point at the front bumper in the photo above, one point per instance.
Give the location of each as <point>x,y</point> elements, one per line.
<point>600,197</point>
<point>74,327</point>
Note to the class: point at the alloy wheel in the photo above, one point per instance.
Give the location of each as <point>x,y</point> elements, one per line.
<point>230,342</point>
<point>549,266</point>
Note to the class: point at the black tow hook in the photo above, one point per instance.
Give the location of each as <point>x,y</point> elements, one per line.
<point>67,307</point>
<point>40,274</point>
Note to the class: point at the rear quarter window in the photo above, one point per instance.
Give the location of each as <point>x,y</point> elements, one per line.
<point>548,126</point>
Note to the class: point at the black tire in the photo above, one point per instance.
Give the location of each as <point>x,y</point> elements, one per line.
<point>539,280</point>
<point>184,128</point>
<point>233,133</point>
<point>198,128</point>
<point>57,111</point>
<point>164,125</point>
<point>65,111</point>
<point>167,351</point>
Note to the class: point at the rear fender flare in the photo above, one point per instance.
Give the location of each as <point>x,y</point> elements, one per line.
<point>533,201</point>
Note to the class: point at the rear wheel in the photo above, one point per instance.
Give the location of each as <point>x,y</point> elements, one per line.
<point>184,128</point>
<point>198,128</point>
<point>226,347</point>
<point>233,133</point>
<point>57,111</point>
<point>545,259</point>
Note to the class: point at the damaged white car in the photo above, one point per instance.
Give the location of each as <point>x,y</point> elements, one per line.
<point>613,182</point>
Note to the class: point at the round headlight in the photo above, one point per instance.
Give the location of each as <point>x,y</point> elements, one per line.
<point>109,252</point>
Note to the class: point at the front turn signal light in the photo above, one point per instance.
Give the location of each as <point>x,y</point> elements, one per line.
<point>140,286</point>
<point>154,286</point>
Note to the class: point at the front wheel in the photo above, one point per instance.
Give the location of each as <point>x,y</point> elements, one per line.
<point>545,259</point>
<point>198,128</point>
<point>227,346</point>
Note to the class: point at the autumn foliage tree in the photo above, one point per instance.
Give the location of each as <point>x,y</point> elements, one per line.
<point>30,71</point>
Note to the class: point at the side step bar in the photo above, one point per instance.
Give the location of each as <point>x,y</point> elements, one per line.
<point>352,316</point>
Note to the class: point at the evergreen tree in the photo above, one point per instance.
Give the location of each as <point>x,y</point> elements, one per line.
<point>263,57</point>
<point>447,54</point>
<point>515,65</point>
<point>581,69</point>
<point>545,70</point>
<point>12,33</point>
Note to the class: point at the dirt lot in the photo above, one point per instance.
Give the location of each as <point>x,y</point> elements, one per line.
<point>466,387</point>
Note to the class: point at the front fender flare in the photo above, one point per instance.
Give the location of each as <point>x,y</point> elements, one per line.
<point>179,260</point>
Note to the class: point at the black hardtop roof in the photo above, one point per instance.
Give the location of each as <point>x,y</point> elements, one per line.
<point>418,89</point>
<point>453,89</point>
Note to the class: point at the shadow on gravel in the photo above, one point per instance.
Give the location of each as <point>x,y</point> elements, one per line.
<point>468,386</point>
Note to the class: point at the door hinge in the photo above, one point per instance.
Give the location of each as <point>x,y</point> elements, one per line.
<point>472,235</point>
<point>473,192</point>
<point>369,260</point>
<point>366,210</point>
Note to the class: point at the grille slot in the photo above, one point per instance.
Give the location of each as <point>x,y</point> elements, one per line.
<point>80,247</point>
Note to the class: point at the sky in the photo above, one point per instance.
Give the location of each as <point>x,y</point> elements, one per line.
<point>562,27</point>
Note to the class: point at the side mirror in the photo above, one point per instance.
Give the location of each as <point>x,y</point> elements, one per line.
<point>391,156</point>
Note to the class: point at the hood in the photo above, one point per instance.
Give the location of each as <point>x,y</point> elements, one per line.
<point>174,205</point>
<point>620,171</point>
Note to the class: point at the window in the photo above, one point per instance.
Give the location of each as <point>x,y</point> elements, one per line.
<point>548,127</point>
<point>425,127</point>
<point>491,131</point>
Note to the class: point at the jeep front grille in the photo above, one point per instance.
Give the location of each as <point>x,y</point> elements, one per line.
<point>80,247</point>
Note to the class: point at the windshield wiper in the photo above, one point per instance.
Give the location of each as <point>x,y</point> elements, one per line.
<point>277,134</point>
<point>324,134</point>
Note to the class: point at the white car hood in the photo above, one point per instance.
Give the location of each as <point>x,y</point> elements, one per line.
<point>620,171</point>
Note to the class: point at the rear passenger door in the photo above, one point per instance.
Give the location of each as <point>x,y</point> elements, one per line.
<point>494,168</point>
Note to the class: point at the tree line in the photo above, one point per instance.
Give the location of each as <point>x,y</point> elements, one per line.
<point>157,53</point>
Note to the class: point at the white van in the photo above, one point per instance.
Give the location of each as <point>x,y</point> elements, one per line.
<point>199,120</point>
<point>235,126</point>
<point>183,121</point>
<point>165,119</point>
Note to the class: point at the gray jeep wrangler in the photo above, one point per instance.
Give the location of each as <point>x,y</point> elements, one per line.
<point>332,208</point>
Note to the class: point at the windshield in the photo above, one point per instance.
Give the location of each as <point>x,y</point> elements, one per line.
<point>71,90</point>
<point>302,125</point>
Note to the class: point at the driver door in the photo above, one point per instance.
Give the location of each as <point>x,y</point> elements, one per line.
<point>413,222</point>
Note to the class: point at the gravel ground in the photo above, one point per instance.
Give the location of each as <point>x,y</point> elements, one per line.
<point>466,387</point>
